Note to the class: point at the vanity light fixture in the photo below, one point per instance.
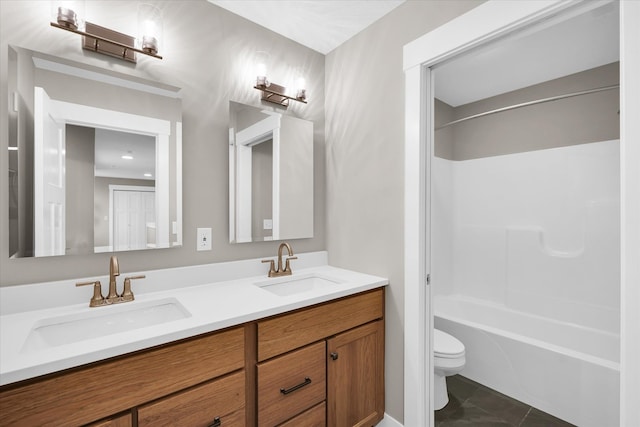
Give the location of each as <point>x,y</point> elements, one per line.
<point>109,42</point>
<point>272,92</point>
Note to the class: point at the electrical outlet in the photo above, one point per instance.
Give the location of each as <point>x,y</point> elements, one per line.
<point>267,224</point>
<point>204,239</point>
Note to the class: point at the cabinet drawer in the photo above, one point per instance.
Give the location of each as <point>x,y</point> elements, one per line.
<point>289,331</point>
<point>314,417</point>
<point>290,384</point>
<point>121,383</point>
<point>121,421</point>
<point>199,406</point>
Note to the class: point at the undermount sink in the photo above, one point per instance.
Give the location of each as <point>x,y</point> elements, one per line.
<point>101,321</point>
<point>291,285</point>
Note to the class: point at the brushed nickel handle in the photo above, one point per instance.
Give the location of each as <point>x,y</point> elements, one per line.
<point>306,381</point>
<point>216,422</point>
<point>334,356</point>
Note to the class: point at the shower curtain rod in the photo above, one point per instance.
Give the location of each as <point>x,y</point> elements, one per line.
<point>526,104</point>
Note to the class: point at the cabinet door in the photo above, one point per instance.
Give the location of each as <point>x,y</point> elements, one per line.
<point>355,375</point>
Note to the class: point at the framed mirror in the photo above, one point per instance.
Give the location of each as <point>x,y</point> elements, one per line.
<point>270,175</point>
<point>95,159</point>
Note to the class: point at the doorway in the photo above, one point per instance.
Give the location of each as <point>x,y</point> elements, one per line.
<point>485,23</point>
<point>131,217</point>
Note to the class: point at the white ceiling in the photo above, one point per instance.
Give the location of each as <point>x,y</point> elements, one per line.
<point>321,25</point>
<point>553,49</point>
<point>111,145</point>
<point>566,46</point>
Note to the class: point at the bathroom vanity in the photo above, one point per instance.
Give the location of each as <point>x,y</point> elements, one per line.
<point>296,361</point>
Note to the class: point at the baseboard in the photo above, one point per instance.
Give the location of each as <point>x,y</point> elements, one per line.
<point>388,421</point>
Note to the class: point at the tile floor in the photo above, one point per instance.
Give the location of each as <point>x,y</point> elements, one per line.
<point>472,404</point>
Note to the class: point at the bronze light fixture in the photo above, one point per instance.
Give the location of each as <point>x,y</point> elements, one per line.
<point>275,93</point>
<point>113,43</point>
<point>272,92</point>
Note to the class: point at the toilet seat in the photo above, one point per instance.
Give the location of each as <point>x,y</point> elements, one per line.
<point>446,346</point>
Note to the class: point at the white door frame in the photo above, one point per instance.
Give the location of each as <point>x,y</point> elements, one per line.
<point>49,177</point>
<point>240,192</point>
<point>484,23</point>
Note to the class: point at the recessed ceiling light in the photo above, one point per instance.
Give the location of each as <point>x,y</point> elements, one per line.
<point>127,157</point>
<point>147,174</point>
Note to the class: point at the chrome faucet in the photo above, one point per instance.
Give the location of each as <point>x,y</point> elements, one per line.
<point>286,271</point>
<point>97,300</point>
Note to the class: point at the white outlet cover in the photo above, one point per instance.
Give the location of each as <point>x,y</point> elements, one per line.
<point>203,242</point>
<point>267,224</point>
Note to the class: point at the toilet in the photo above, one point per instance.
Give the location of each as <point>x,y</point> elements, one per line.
<point>448,359</point>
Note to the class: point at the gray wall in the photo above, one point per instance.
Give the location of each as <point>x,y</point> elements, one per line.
<point>365,160</point>
<point>576,120</point>
<point>261,188</point>
<point>79,161</point>
<point>296,207</point>
<point>443,145</point>
<point>207,52</point>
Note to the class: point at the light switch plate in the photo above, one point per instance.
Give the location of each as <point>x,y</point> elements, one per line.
<point>203,242</point>
<point>267,224</point>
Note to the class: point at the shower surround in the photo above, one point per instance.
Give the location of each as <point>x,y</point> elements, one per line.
<point>526,247</point>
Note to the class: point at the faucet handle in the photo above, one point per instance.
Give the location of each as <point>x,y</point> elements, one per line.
<point>127,295</point>
<point>272,266</point>
<point>97,297</point>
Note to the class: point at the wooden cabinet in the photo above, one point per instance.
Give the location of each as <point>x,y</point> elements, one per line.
<point>96,391</point>
<point>286,332</point>
<point>350,331</point>
<point>318,366</point>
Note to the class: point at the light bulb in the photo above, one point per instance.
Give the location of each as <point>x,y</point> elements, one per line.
<point>301,91</point>
<point>261,61</point>
<point>149,28</point>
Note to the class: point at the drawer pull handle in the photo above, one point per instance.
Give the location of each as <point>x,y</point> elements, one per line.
<point>334,356</point>
<point>216,422</point>
<point>307,381</point>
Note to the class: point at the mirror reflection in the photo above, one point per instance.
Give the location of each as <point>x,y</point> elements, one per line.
<point>94,160</point>
<point>270,175</point>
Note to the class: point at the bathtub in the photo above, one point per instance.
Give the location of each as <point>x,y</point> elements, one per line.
<point>564,369</point>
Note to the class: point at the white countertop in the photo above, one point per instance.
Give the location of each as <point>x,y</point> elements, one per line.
<point>211,306</point>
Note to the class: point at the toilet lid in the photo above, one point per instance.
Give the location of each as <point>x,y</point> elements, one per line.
<point>444,345</point>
